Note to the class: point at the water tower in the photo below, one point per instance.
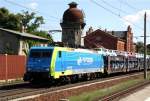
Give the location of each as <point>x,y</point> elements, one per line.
<point>72,26</point>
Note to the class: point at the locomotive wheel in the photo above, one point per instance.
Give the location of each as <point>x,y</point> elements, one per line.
<point>74,78</point>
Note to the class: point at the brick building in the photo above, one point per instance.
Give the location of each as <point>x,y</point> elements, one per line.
<point>116,40</point>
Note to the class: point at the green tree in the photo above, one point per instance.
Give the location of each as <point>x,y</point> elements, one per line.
<point>15,21</point>
<point>140,47</point>
<point>30,21</point>
<point>43,34</point>
<point>148,49</point>
<point>8,20</point>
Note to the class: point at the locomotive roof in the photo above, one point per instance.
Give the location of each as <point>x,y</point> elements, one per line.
<point>65,48</point>
<point>37,47</point>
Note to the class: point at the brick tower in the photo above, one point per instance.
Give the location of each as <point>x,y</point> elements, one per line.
<point>129,40</point>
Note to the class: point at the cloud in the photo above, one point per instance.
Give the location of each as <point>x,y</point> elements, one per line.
<point>33,5</point>
<point>134,18</point>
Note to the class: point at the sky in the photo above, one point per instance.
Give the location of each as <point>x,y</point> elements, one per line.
<point>112,15</point>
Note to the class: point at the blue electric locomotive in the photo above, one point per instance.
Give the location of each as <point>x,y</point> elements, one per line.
<point>58,62</point>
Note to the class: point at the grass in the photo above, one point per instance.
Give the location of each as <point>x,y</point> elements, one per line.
<point>90,96</point>
<point>13,81</point>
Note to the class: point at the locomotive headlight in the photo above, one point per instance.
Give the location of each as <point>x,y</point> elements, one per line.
<point>47,69</point>
<point>29,69</point>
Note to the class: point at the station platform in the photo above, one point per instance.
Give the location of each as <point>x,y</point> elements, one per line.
<point>141,95</point>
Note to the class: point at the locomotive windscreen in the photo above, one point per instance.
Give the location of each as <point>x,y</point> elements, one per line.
<point>39,60</point>
<point>40,53</point>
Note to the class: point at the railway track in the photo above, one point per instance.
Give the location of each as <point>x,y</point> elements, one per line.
<point>27,89</point>
<point>117,95</point>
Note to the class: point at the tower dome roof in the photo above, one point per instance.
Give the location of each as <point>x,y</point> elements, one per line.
<point>73,14</point>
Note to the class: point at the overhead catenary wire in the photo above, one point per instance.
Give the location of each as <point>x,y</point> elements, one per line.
<point>119,9</point>
<point>130,6</point>
<point>114,13</point>
<point>98,4</point>
<point>127,4</point>
<point>53,18</point>
<point>23,6</point>
<point>113,6</point>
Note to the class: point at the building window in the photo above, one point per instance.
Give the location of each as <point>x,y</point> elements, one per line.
<point>98,38</point>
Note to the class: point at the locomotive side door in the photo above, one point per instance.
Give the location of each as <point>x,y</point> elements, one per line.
<point>59,62</point>
<point>60,54</point>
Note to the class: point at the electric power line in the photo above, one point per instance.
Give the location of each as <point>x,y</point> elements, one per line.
<point>114,7</point>
<point>119,8</point>
<point>20,5</point>
<point>127,4</point>
<point>130,6</point>
<point>114,13</point>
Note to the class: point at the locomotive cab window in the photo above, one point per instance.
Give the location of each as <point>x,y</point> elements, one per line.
<point>35,54</point>
<point>46,54</point>
<point>40,53</point>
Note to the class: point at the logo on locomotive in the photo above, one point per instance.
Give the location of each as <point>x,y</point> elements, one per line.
<point>84,60</point>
